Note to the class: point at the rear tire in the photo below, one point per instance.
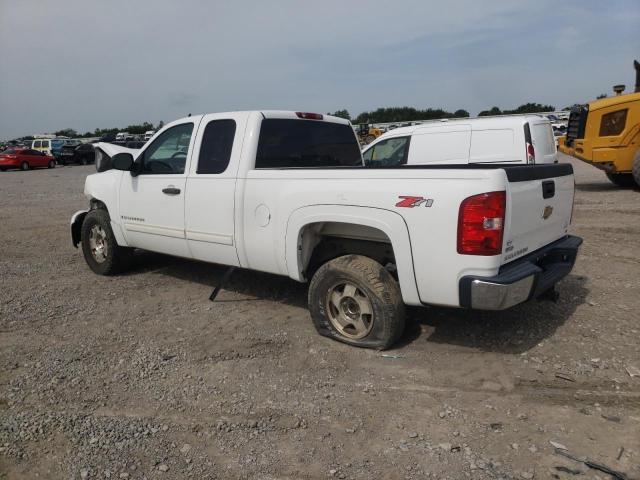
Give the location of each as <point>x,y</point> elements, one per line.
<point>635,169</point>
<point>24,166</point>
<point>99,246</point>
<point>355,300</point>
<point>624,180</point>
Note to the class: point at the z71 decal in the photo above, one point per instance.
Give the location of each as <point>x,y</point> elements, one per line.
<point>410,201</point>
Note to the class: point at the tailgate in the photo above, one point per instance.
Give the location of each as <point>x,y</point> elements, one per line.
<point>539,205</point>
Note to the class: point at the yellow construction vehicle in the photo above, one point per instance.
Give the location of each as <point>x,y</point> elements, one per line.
<point>606,134</point>
<point>367,133</point>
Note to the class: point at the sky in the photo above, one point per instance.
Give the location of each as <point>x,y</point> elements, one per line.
<point>87,64</point>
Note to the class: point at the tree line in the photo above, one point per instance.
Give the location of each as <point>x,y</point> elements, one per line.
<point>138,129</point>
<point>408,114</point>
<point>380,115</point>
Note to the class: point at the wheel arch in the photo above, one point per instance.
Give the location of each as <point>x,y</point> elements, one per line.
<point>365,230</point>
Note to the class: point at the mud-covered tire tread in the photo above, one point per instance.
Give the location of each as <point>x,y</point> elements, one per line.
<point>383,291</point>
<point>635,169</point>
<point>622,180</point>
<point>118,258</point>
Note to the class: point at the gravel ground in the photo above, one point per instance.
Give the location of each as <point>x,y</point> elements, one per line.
<point>140,376</point>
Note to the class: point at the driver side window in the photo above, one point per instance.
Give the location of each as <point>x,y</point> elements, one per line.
<point>388,153</point>
<point>168,153</point>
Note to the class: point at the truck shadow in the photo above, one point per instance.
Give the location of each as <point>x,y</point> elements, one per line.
<point>600,187</point>
<point>513,331</point>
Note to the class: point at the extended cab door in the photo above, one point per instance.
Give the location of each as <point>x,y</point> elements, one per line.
<point>152,202</point>
<point>211,185</point>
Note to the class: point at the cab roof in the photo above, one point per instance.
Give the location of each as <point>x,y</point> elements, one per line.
<point>615,100</point>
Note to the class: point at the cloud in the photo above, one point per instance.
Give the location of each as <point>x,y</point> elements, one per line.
<point>87,64</point>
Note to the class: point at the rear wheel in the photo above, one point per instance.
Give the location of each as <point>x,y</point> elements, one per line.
<point>635,172</point>
<point>624,180</point>
<point>84,161</point>
<point>52,164</point>
<point>24,166</point>
<point>99,246</point>
<point>355,300</point>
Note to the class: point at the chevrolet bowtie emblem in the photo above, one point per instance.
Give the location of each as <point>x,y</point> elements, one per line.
<point>548,210</point>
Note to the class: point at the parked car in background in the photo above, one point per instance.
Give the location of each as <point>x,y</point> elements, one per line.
<point>519,139</point>
<point>121,136</point>
<point>83,153</point>
<point>24,159</point>
<point>148,134</point>
<point>41,145</point>
<point>58,143</point>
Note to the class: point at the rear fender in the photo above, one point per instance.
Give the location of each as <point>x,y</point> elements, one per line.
<point>388,222</point>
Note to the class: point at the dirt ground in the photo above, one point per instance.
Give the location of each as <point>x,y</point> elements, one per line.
<point>141,376</point>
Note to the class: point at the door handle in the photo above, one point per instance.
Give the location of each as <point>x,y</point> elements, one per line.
<point>171,190</point>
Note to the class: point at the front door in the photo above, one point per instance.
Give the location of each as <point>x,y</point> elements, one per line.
<point>152,203</point>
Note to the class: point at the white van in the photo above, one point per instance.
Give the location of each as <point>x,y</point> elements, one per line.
<point>521,139</point>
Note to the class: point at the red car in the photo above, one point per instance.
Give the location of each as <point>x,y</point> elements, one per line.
<point>24,159</point>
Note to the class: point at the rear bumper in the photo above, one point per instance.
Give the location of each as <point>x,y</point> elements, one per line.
<point>523,279</point>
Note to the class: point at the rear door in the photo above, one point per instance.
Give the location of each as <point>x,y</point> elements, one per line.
<point>544,143</point>
<point>539,204</point>
<point>35,158</point>
<point>210,199</point>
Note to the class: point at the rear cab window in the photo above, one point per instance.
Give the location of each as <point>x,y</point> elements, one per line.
<point>288,143</point>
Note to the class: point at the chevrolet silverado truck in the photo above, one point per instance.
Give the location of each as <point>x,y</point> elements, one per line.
<point>287,193</point>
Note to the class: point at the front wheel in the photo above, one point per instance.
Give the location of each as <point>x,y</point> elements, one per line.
<point>24,166</point>
<point>355,300</point>
<point>99,247</point>
<point>624,180</point>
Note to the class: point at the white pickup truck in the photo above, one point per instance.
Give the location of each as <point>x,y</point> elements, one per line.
<point>287,193</point>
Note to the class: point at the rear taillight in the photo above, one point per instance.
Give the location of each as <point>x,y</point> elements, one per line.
<point>481,224</point>
<point>531,153</point>
<point>309,116</point>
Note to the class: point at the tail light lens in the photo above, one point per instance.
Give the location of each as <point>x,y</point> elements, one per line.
<point>531,153</point>
<point>481,224</point>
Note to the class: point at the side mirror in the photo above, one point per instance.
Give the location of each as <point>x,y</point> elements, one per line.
<point>122,161</point>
